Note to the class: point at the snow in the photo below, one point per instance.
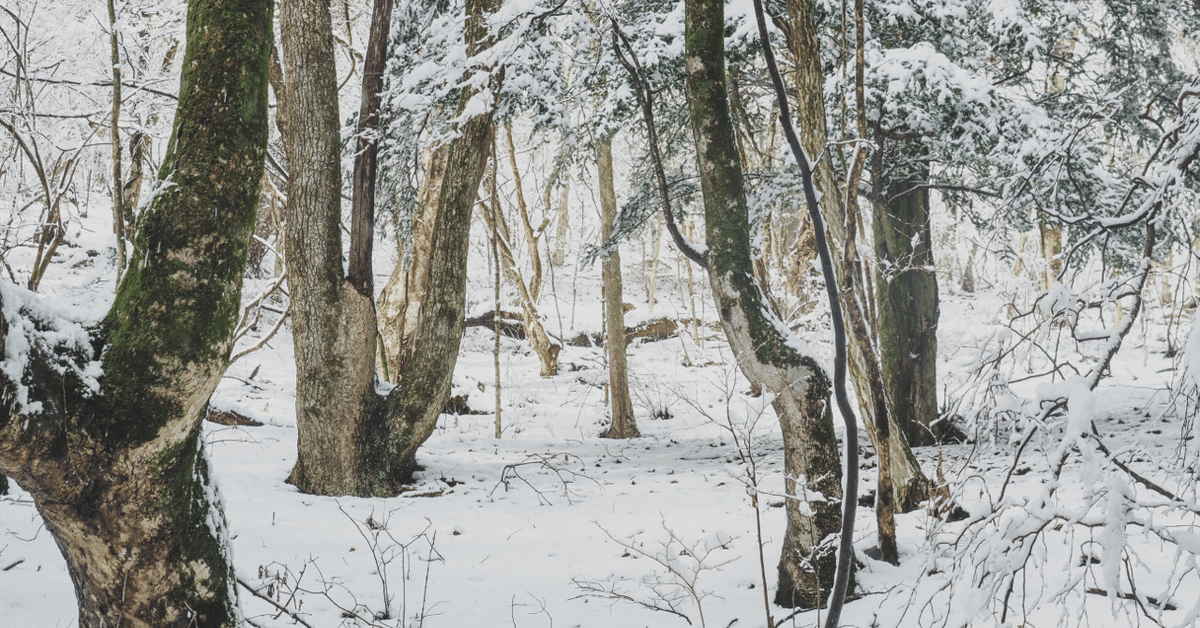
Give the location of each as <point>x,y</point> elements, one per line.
<point>551,525</point>
<point>550,522</point>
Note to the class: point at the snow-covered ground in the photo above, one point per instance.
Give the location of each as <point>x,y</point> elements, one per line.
<point>552,526</point>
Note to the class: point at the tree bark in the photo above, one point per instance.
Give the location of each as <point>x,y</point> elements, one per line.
<point>546,349</point>
<point>402,298</point>
<point>362,213</point>
<point>117,472</point>
<point>623,424</point>
<point>531,322</point>
<point>351,439</point>
<point>424,377</point>
<point>115,129</point>
<point>907,294</point>
<point>800,385</point>
<point>339,451</point>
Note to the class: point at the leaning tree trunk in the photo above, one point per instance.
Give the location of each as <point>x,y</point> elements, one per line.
<point>427,364</point>
<point>531,322</point>
<point>115,465</point>
<point>800,385</point>
<point>530,293</point>
<point>907,297</point>
<point>623,424</point>
<point>909,484</point>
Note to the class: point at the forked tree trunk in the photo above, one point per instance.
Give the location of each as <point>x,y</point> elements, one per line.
<point>118,475</point>
<point>352,440</point>
<point>340,452</point>
<point>530,293</point>
<point>546,350</point>
<point>425,374</point>
<point>623,424</point>
<point>801,387</point>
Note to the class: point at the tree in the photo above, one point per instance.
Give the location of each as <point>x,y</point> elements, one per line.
<point>623,424</point>
<point>763,352</point>
<point>101,424</point>
<point>352,439</point>
<point>906,290</point>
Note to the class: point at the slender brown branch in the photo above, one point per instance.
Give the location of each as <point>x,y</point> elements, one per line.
<point>645,98</point>
<point>268,600</point>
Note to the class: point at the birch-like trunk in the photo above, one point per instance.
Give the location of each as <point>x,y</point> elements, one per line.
<point>402,298</point>
<point>623,424</point>
<point>118,475</point>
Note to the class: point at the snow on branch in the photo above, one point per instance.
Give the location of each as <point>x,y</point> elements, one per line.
<point>36,329</point>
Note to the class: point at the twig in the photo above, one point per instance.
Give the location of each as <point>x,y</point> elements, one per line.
<point>283,317</point>
<point>260,596</point>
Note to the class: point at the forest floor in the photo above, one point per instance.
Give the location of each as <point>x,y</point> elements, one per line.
<point>552,526</point>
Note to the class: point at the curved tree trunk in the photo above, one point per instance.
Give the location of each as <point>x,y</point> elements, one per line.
<point>765,355</point>
<point>425,375</point>
<point>117,471</point>
<point>531,322</point>
<point>623,424</point>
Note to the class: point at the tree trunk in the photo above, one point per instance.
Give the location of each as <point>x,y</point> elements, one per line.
<point>424,378</point>
<point>800,386</point>
<point>909,485</point>
<point>546,350</point>
<point>118,475</point>
<point>402,298</point>
<point>333,323</point>
<point>907,295</point>
<point>426,370</point>
<point>366,162</point>
<point>115,130</point>
<point>623,424</point>
<point>352,440</point>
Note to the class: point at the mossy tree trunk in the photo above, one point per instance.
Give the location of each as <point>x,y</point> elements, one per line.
<point>909,484</point>
<point>117,473</point>
<point>623,424</point>
<point>428,365</point>
<point>907,293</point>
<point>801,387</point>
<point>351,439</point>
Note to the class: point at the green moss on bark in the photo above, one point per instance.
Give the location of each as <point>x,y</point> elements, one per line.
<point>195,529</point>
<point>177,305</point>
